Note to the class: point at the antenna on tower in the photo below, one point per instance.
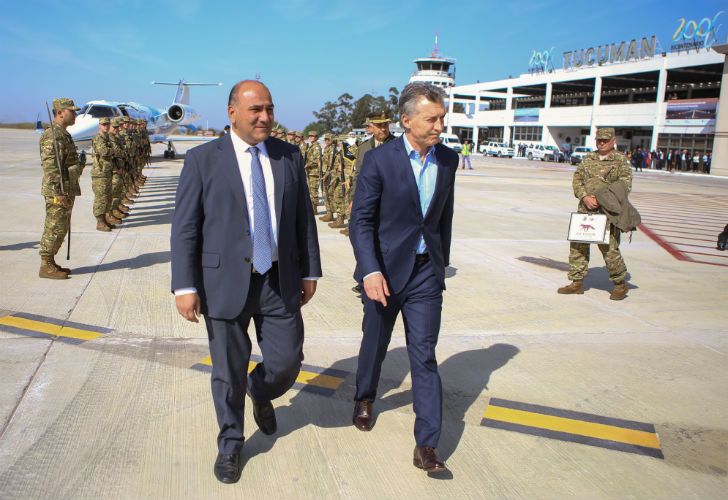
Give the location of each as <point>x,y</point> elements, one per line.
<point>436,49</point>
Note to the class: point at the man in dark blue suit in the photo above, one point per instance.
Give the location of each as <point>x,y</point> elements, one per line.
<point>400,228</point>
<point>244,246</point>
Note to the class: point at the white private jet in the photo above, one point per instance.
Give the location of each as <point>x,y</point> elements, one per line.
<point>161,123</point>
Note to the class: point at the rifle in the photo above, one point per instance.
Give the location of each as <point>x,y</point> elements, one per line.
<point>60,173</point>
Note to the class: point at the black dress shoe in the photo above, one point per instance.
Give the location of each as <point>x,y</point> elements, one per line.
<point>227,468</point>
<point>356,288</point>
<point>426,459</point>
<point>264,415</point>
<point>363,415</point>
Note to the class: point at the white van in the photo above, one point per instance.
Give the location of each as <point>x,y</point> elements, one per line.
<point>451,141</point>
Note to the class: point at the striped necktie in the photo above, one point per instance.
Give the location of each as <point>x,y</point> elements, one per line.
<point>262,253</point>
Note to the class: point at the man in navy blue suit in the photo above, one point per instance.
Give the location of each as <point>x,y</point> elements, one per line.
<point>400,228</point>
<point>244,246</point>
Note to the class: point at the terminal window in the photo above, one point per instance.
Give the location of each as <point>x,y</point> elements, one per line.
<point>531,134</point>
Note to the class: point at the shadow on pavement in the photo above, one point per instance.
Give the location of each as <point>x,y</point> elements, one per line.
<point>464,377</point>
<point>138,262</point>
<point>19,246</point>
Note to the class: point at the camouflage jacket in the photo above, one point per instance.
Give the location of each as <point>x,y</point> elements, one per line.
<point>594,174</point>
<point>128,141</point>
<point>69,163</point>
<point>103,155</point>
<point>118,152</point>
<point>328,160</point>
<point>312,156</point>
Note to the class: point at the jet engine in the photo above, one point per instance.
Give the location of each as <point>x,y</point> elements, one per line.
<point>181,114</point>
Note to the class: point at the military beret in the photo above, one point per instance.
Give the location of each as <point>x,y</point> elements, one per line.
<point>605,133</point>
<point>378,117</point>
<point>104,121</point>
<point>64,103</point>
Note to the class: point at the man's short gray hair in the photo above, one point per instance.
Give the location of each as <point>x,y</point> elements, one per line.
<point>413,91</point>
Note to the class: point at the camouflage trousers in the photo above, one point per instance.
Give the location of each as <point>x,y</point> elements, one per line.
<point>579,258</point>
<point>338,197</point>
<point>117,190</point>
<point>102,194</point>
<point>327,185</point>
<point>56,226</point>
<point>313,186</point>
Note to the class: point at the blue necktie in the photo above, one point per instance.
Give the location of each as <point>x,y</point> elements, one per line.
<point>262,241</point>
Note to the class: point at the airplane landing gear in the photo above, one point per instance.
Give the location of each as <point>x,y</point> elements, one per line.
<point>170,152</point>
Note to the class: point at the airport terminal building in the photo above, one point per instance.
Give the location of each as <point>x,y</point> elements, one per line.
<point>655,99</point>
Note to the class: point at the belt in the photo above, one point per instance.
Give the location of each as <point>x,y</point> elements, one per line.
<point>421,258</point>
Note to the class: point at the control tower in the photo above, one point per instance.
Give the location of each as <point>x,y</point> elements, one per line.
<point>435,69</point>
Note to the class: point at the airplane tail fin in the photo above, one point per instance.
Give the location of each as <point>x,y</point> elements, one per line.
<point>183,90</point>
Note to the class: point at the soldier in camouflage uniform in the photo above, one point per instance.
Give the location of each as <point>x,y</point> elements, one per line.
<point>101,174</point>
<point>128,141</point>
<point>328,176</point>
<point>291,137</point>
<point>345,160</point>
<point>119,159</point>
<point>59,188</point>
<point>596,172</point>
<point>311,152</point>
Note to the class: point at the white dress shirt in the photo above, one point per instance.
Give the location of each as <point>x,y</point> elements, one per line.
<point>245,160</point>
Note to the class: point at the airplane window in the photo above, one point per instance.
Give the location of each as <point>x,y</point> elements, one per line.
<point>101,112</point>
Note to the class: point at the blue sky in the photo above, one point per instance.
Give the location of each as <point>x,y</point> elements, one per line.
<point>306,51</point>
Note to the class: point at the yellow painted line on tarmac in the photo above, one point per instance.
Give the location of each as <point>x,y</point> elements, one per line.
<point>559,424</point>
<point>577,427</point>
<point>207,361</point>
<point>311,378</point>
<point>51,329</point>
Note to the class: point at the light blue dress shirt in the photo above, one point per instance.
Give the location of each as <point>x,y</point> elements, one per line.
<point>425,172</point>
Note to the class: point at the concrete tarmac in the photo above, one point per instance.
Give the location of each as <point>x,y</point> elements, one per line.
<point>126,411</point>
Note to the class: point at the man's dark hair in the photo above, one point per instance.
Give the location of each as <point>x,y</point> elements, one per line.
<point>412,91</point>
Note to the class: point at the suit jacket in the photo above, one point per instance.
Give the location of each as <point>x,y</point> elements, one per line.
<point>212,249</point>
<point>386,219</point>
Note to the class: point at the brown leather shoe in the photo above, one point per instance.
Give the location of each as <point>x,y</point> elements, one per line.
<point>425,458</point>
<point>574,288</point>
<point>327,218</point>
<point>363,415</point>
<point>619,291</point>
<point>345,232</point>
<point>119,215</point>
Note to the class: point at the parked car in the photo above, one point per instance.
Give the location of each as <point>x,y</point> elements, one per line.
<point>543,152</point>
<point>451,141</point>
<point>579,153</point>
<point>499,149</point>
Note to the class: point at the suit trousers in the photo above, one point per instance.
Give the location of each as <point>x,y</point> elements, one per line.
<point>280,338</point>
<point>421,305</point>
